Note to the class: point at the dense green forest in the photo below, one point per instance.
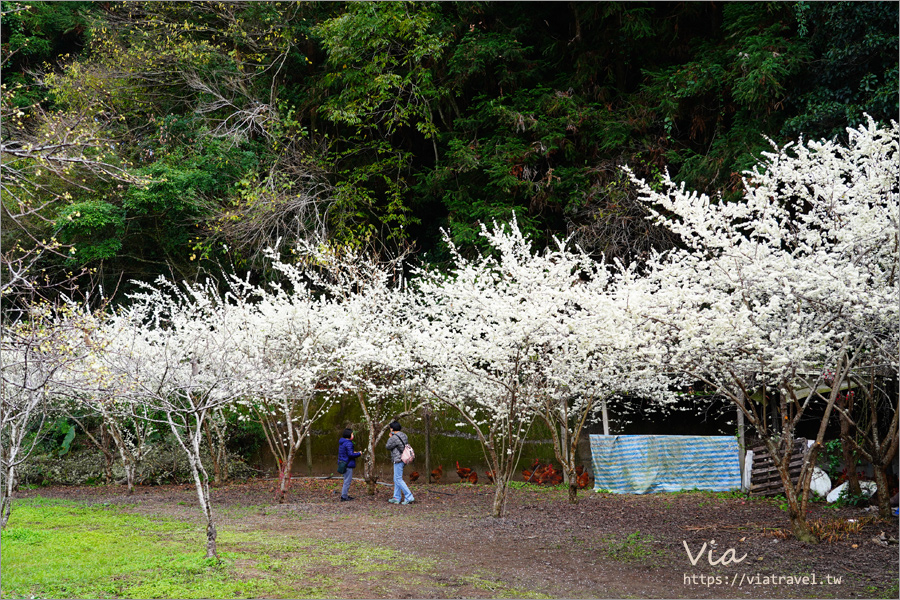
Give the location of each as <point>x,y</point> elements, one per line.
<point>147,138</point>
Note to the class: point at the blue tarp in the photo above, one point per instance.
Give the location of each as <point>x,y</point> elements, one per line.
<point>642,464</point>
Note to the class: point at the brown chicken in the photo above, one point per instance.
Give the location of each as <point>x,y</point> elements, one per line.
<point>555,477</point>
<point>527,474</point>
<point>463,472</point>
<point>436,474</point>
<point>546,475</point>
<point>579,470</point>
<point>583,480</point>
<point>413,476</point>
<point>541,473</point>
<point>490,476</point>
<point>473,477</point>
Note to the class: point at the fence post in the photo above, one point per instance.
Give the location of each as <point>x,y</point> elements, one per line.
<point>427,445</point>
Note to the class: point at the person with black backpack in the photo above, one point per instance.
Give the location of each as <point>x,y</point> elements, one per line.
<point>347,460</point>
<point>396,444</point>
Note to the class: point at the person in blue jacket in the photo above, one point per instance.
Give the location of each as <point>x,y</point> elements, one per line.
<point>346,453</point>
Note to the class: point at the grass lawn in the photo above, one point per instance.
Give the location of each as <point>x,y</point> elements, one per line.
<point>55,548</point>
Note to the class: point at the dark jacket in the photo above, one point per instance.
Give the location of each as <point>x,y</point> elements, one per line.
<point>346,453</point>
<point>396,443</point>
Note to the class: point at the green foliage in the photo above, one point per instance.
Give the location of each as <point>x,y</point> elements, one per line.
<point>851,68</point>
<point>379,59</point>
<point>58,437</point>
<point>487,59</point>
<point>35,33</point>
<point>717,107</point>
<point>849,499</point>
<point>93,228</point>
<point>379,54</point>
<point>409,117</point>
<point>369,202</point>
<point>832,458</point>
<point>245,434</point>
<point>533,487</point>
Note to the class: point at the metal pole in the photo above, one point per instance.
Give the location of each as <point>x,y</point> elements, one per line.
<point>605,418</point>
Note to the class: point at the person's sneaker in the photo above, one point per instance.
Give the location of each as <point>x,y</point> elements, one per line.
<point>394,501</point>
<point>346,499</point>
<point>410,501</point>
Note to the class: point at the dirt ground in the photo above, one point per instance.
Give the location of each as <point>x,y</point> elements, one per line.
<point>606,546</point>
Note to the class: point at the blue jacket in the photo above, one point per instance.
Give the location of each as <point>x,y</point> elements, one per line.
<point>346,453</point>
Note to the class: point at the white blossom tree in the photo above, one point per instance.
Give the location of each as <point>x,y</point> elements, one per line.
<point>35,352</point>
<point>95,390</point>
<point>785,291</point>
<point>495,334</point>
<point>290,347</point>
<point>870,416</point>
<point>603,358</point>
<point>372,363</point>
<point>125,420</point>
<point>178,350</point>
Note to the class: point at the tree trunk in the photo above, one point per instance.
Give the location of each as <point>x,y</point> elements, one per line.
<point>201,483</point>
<point>571,479</point>
<point>799,526</point>
<point>846,402</point>
<point>369,471</point>
<point>573,492</point>
<point>884,501</point>
<point>6,491</point>
<point>284,477</point>
<point>221,449</point>
<point>129,476</point>
<point>499,504</point>
<point>203,495</point>
<point>281,475</point>
<point>565,459</point>
<point>129,461</point>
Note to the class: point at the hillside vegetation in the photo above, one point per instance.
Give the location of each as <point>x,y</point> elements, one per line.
<point>148,138</point>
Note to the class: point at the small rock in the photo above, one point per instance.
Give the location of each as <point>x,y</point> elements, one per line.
<point>866,487</point>
<point>883,540</point>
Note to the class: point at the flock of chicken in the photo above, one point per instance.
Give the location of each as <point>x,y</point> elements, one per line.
<point>538,474</point>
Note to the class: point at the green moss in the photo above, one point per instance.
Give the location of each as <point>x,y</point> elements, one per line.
<point>636,546</point>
